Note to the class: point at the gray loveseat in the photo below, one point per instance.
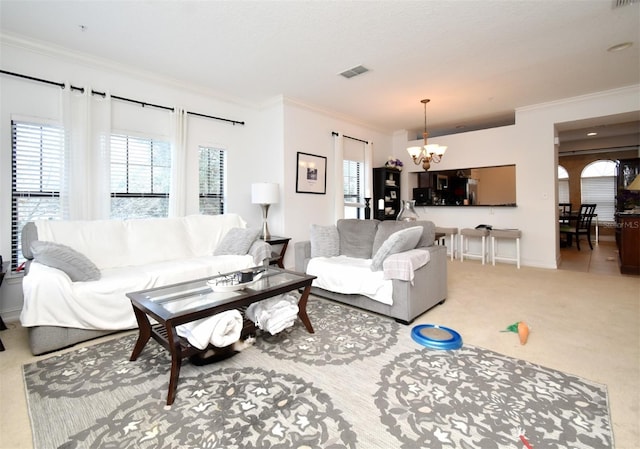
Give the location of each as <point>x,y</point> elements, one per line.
<point>358,242</point>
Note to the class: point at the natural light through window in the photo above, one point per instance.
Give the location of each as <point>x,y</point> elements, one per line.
<point>598,185</point>
<point>563,185</point>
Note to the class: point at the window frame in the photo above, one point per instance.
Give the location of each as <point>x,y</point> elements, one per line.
<point>220,195</point>
<point>57,134</point>
<point>161,144</point>
<point>605,207</point>
<point>358,195</point>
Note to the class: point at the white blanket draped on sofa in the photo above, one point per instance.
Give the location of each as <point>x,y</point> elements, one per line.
<point>132,255</point>
<point>350,275</point>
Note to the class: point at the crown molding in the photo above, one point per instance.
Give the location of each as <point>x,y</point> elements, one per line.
<point>626,90</point>
<point>53,51</point>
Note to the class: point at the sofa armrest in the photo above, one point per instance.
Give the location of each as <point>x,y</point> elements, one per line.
<point>403,265</point>
<point>261,251</point>
<point>302,255</point>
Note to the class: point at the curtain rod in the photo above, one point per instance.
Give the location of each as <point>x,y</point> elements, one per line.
<point>103,94</point>
<point>349,137</point>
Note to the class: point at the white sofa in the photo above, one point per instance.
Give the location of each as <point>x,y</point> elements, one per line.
<point>129,255</point>
<point>351,266</point>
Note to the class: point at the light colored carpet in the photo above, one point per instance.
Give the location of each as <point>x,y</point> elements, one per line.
<point>583,324</point>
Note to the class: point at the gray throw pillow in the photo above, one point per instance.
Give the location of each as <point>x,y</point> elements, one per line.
<point>77,266</point>
<point>325,241</point>
<point>356,237</point>
<point>388,227</point>
<point>237,241</point>
<point>399,241</point>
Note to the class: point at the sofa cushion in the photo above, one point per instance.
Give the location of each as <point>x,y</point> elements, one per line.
<point>237,241</point>
<point>356,237</point>
<point>76,265</point>
<point>399,241</point>
<point>325,241</point>
<point>388,227</point>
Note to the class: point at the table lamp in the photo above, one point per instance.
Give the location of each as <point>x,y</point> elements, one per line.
<point>635,185</point>
<point>265,194</point>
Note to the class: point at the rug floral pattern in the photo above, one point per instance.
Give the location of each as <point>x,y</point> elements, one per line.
<point>473,398</point>
<point>358,382</point>
<point>233,409</point>
<point>342,335</point>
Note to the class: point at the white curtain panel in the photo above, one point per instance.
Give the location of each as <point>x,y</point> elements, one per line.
<point>87,123</point>
<point>368,171</point>
<point>75,119</point>
<point>338,189</point>
<point>178,188</point>
<point>100,180</point>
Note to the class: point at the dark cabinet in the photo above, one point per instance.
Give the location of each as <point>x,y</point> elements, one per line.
<point>386,193</point>
<point>628,239</point>
<point>628,169</point>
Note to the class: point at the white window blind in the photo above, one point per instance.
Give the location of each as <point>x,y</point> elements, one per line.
<point>598,185</point>
<point>140,177</point>
<point>212,180</point>
<point>37,176</point>
<point>601,191</point>
<point>563,185</point>
<point>353,188</point>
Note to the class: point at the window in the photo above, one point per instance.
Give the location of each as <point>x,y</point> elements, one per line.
<point>563,185</point>
<point>37,168</point>
<point>140,177</point>
<point>598,185</point>
<point>353,182</point>
<point>211,168</point>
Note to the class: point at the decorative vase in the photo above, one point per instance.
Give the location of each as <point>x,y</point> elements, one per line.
<point>408,211</point>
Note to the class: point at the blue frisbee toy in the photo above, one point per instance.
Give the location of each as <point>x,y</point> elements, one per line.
<point>436,337</point>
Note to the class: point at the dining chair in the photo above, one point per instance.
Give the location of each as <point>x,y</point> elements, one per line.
<point>565,212</point>
<point>582,225</point>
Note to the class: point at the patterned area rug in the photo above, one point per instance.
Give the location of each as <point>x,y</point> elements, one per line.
<point>359,382</point>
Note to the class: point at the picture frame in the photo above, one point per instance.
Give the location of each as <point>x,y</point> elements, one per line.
<point>311,174</point>
<point>393,195</point>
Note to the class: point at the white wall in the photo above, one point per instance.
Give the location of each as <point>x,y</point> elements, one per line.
<point>309,130</point>
<point>530,145</point>
<point>265,149</point>
<point>253,149</point>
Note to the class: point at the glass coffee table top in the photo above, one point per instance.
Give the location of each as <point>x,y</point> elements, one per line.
<point>194,295</point>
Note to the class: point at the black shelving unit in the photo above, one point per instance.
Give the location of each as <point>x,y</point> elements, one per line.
<point>386,187</point>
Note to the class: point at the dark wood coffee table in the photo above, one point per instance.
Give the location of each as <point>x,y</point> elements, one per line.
<point>177,304</point>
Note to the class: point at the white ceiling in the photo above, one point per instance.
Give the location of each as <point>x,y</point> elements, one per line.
<point>476,60</point>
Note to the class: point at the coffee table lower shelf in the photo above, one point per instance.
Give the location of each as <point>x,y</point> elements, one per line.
<point>159,334</point>
<point>276,282</point>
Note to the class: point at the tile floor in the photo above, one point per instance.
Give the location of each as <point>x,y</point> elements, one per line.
<point>603,259</point>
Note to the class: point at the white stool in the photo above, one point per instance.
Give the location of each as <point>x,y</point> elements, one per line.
<point>464,246</point>
<point>512,234</point>
<point>451,232</point>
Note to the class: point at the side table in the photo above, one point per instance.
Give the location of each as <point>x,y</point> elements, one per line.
<point>3,269</point>
<point>277,258</point>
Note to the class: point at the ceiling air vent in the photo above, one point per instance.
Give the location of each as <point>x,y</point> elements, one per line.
<point>354,71</point>
<point>621,3</point>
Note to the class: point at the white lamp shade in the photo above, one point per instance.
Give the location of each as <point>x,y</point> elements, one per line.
<point>635,185</point>
<point>265,193</point>
<point>414,152</point>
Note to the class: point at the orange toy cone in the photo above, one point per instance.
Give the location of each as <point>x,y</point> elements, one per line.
<point>523,332</point>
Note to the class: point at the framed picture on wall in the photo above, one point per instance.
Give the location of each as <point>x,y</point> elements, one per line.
<point>311,174</point>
